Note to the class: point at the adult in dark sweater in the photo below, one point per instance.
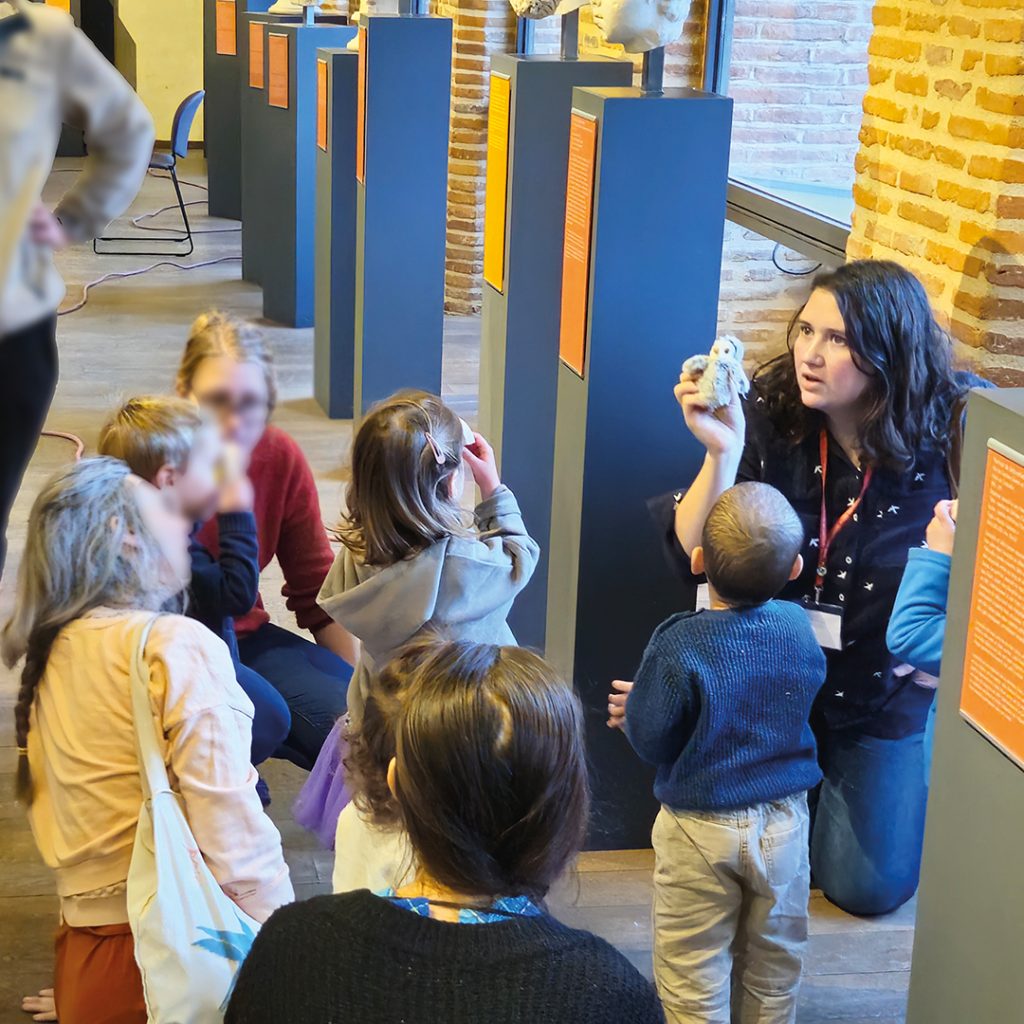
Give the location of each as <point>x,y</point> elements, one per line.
<point>490,784</point>
<point>721,705</point>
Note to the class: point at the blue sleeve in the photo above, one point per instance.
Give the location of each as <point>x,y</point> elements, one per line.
<point>229,585</point>
<point>918,622</point>
<point>663,708</point>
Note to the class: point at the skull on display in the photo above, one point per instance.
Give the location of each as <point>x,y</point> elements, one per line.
<point>640,25</point>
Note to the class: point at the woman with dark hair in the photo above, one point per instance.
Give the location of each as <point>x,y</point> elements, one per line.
<point>857,426</point>
<point>489,781</point>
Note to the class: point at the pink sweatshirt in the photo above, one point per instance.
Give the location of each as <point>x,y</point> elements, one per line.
<point>85,772</point>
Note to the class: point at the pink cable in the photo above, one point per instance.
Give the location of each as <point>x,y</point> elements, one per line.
<point>73,438</point>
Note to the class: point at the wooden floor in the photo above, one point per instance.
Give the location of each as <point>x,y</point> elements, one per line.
<point>126,341</point>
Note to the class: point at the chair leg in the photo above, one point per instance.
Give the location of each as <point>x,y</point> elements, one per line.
<point>184,213</point>
<point>170,240</point>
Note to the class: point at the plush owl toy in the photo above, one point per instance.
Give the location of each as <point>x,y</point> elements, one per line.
<point>722,368</point>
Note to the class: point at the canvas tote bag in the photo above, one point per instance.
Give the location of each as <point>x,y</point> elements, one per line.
<point>190,938</point>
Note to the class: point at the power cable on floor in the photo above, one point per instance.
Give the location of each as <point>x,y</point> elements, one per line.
<point>73,438</point>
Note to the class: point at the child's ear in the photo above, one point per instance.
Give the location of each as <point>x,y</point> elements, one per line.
<point>798,567</point>
<point>697,561</point>
<point>392,775</point>
<point>166,476</point>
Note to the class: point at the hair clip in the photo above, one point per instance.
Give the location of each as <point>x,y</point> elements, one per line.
<point>438,457</point>
<point>22,751</point>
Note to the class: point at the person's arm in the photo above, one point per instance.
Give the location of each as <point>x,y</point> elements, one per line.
<point>208,748</point>
<point>663,708</point>
<point>118,138</point>
<point>498,518</point>
<point>231,582</point>
<point>917,626</point>
<point>305,556</point>
<point>722,433</point>
<point>282,972</point>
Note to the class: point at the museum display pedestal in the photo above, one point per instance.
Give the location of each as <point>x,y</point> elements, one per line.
<point>967,945</point>
<point>645,215</point>
<point>279,166</point>
<point>528,146</point>
<point>334,327</point>
<point>401,169</point>
<point>224,44</point>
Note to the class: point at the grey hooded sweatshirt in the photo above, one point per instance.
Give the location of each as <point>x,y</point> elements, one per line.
<point>461,588</point>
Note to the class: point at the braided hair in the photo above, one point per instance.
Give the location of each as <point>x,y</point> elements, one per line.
<point>88,547</point>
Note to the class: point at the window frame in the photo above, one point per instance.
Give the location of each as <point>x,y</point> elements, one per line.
<point>811,234</point>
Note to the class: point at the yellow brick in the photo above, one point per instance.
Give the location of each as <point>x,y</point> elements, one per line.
<point>993,169</point>
<point>923,215</point>
<point>931,23</point>
<point>870,200</point>
<point>938,56</point>
<point>878,74</point>
<point>969,198</point>
<point>971,58</point>
<point>922,184</point>
<point>952,90</point>
<point>1000,102</point>
<point>914,85</point>
<point>879,106</point>
<point>950,157</point>
<point>895,49</point>
<point>965,27</point>
<point>1004,31</point>
<point>886,15</point>
<point>929,119</point>
<point>998,64</point>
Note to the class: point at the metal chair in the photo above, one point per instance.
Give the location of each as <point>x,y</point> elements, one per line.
<point>165,160</point>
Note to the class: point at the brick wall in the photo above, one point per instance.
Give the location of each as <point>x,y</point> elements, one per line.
<point>940,182</point>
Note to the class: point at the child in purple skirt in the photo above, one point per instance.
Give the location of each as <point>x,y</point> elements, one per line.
<point>411,562</point>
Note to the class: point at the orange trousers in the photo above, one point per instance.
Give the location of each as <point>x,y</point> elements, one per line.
<point>97,980</point>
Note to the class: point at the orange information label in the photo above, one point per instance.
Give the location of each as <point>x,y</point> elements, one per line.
<point>277,70</point>
<point>227,40</point>
<point>64,5</point>
<point>496,195</point>
<point>579,215</point>
<point>321,103</point>
<point>361,111</point>
<point>255,55</point>
<point>992,698</point>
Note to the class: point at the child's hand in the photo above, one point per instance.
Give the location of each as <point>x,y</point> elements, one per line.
<point>942,529</point>
<point>42,1006</point>
<point>479,457</point>
<point>236,494</point>
<point>617,703</point>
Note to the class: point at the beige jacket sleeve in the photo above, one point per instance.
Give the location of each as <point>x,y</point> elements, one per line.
<point>118,137</point>
<point>207,723</point>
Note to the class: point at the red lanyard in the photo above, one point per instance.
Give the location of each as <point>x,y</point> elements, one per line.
<point>825,535</point>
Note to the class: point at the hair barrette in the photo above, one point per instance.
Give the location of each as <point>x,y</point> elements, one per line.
<point>438,457</point>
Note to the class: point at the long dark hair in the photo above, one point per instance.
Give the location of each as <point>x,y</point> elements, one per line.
<point>894,340</point>
<point>491,779</point>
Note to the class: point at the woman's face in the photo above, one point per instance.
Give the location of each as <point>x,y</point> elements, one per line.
<point>829,380</point>
<point>170,530</point>
<point>236,393</point>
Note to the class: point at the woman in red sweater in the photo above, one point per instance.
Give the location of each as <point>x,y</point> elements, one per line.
<point>227,368</point>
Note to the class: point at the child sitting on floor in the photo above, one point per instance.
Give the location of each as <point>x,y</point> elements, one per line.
<point>720,705</point>
<point>169,443</point>
<point>918,622</point>
<point>410,562</point>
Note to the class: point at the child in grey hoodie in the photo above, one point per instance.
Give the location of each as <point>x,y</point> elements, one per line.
<point>410,562</point>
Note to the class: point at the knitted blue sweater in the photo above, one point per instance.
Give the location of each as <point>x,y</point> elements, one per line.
<point>721,705</point>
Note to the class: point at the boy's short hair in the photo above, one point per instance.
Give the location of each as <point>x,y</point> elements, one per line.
<point>152,431</point>
<point>751,539</point>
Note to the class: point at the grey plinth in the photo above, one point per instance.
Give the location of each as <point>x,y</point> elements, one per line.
<point>655,259</point>
<point>335,322</point>
<point>519,344</point>
<point>969,938</point>
<point>401,207</point>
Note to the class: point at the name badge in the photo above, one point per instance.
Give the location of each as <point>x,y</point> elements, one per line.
<point>826,619</point>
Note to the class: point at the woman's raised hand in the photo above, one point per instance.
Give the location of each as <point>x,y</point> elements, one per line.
<point>723,431</point>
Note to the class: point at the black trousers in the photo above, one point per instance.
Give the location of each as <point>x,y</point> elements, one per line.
<point>28,379</point>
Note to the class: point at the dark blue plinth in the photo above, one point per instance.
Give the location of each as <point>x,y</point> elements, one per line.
<point>334,329</point>
<point>659,212</point>
<point>222,109</point>
<point>519,344</point>
<point>283,144</point>
<point>400,225</point>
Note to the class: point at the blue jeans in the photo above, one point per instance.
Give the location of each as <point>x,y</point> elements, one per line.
<point>869,821</point>
<point>312,680</point>
<point>272,721</point>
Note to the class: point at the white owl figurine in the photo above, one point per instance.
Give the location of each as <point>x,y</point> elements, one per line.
<point>719,372</point>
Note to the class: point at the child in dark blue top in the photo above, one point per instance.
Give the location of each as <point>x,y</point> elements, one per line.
<point>168,442</point>
<point>720,705</point>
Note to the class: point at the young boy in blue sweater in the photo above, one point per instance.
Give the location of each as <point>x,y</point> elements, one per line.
<point>167,442</point>
<point>720,705</point>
